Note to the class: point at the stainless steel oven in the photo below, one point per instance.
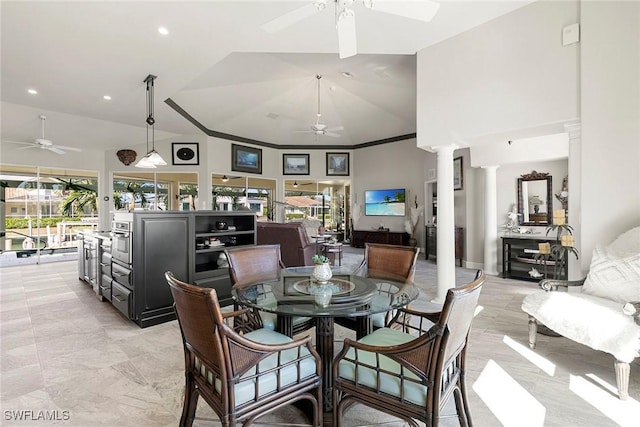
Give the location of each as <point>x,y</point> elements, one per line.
<point>122,242</point>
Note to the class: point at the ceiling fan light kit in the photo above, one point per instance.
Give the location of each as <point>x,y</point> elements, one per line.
<point>152,159</point>
<point>422,10</point>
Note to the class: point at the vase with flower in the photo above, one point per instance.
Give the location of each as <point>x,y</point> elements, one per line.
<point>322,270</point>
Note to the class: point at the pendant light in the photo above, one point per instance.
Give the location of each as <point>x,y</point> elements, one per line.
<point>152,159</point>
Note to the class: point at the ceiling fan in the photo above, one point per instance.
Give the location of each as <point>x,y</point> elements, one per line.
<point>422,10</point>
<point>319,128</point>
<point>43,143</point>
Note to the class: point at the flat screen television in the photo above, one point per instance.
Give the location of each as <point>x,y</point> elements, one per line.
<point>385,202</point>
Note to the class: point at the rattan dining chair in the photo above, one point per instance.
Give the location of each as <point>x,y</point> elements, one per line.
<point>250,265</point>
<point>241,372</point>
<point>412,367</point>
<point>383,261</point>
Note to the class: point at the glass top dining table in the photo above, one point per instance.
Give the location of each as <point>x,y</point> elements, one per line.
<point>353,296</point>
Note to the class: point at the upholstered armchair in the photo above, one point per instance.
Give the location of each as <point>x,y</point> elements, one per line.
<point>295,246</point>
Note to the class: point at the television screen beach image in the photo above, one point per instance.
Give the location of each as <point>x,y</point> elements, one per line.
<point>385,202</point>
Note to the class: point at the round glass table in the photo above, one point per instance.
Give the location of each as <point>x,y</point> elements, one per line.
<point>352,296</point>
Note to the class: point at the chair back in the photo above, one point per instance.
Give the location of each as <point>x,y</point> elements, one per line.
<point>200,318</point>
<point>249,265</point>
<point>390,261</point>
<point>456,317</point>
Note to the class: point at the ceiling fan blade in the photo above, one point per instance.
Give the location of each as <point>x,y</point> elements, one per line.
<point>347,44</point>
<point>332,134</point>
<point>17,142</point>
<point>54,149</point>
<point>290,18</point>
<point>422,10</point>
<point>28,147</point>
<point>334,129</point>
<point>67,148</point>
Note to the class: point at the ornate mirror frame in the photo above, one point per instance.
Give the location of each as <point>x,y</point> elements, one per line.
<point>526,217</point>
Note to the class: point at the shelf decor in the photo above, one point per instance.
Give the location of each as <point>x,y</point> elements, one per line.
<point>557,254</point>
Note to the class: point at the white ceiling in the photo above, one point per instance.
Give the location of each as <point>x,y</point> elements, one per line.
<point>217,65</point>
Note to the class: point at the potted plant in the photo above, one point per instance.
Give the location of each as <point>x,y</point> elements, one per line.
<point>322,270</point>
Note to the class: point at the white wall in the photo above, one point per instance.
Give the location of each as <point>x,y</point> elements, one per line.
<point>511,74</point>
<point>610,103</point>
<point>397,165</point>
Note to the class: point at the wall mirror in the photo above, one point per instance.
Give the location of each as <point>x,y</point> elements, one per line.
<point>535,199</point>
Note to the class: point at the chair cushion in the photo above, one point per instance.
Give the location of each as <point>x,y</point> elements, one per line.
<point>244,391</point>
<point>590,320</point>
<point>389,384</point>
<point>614,274</point>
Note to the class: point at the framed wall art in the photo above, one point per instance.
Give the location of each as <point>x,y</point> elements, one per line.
<point>185,153</point>
<point>457,173</point>
<point>246,159</point>
<point>295,164</point>
<point>338,164</point>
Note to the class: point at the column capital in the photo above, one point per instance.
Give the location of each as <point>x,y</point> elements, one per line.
<point>444,149</point>
<point>574,130</point>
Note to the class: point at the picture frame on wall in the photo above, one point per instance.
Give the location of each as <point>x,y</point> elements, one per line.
<point>246,159</point>
<point>185,153</point>
<point>337,164</point>
<point>457,173</point>
<point>295,164</point>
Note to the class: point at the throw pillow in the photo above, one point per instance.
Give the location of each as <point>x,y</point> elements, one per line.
<point>614,275</point>
<point>627,243</point>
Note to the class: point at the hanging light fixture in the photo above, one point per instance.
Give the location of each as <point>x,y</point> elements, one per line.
<point>152,159</point>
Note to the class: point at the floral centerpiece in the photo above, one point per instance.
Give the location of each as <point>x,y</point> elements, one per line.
<point>320,259</point>
<point>322,271</point>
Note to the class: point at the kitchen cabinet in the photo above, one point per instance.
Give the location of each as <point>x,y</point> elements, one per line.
<point>431,242</point>
<point>213,232</point>
<point>161,242</point>
<point>519,257</point>
<point>91,246</point>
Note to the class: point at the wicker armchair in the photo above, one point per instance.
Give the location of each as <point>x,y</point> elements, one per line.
<point>412,367</point>
<point>242,373</point>
<point>249,265</point>
<point>383,262</point>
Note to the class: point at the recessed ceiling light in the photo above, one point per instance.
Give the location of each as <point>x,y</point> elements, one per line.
<point>347,74</point>
<point>32,91</point>
<point>106,98</point>
<point>163,30</point>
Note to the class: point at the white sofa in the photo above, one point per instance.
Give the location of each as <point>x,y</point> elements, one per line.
<point>590,311</point>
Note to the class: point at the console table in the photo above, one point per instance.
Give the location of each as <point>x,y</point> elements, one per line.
<point>519,257</point>
<point>431,242</point>
<point>360,237</point>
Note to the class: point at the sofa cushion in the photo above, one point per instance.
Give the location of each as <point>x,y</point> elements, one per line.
<point>614,274</point>
<point>590,320</point>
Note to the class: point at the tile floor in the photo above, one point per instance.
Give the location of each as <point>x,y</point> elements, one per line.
<point>78,359</point>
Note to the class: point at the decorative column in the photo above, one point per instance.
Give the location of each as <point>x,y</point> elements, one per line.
<point>490,221</point>
<point>574,202</point>
<point>446,268</point>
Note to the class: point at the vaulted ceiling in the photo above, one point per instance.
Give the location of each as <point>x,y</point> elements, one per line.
<point>219,72</point>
